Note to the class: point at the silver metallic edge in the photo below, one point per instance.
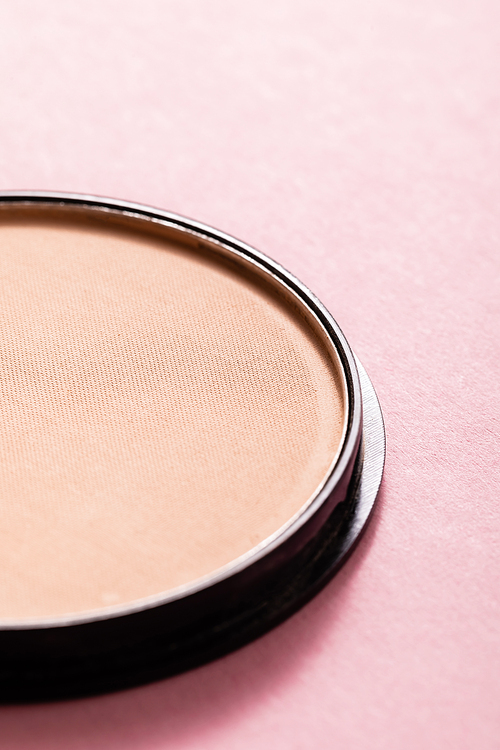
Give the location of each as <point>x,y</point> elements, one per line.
<point>374,446</point>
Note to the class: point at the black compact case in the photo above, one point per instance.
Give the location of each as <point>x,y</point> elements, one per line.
<point>126,645</point>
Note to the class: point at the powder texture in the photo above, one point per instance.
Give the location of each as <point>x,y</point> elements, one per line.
<point>160,415</point>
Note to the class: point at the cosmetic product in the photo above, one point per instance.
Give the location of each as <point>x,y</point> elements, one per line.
<point>189,448</point>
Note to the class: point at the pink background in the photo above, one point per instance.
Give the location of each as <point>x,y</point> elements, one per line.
<point>357,142</point>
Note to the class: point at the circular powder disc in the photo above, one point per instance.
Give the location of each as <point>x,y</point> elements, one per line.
<point>162,412</point>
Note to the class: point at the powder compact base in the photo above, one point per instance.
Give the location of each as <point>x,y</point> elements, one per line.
<point>189,449</point>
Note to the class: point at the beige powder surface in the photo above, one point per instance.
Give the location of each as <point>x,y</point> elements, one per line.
<point>161,414</point>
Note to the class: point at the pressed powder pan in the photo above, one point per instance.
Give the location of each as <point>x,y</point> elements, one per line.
<point>189,449</point>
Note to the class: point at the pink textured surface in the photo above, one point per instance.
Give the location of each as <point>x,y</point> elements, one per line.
<point>357,143</point>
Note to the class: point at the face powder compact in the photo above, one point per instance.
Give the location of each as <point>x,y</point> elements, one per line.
<point>189,448</point>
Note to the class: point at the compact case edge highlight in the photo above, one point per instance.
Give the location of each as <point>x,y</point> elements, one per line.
<point>49,658</point>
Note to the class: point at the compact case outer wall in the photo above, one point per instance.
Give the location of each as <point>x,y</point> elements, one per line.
<point>131,644</point>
